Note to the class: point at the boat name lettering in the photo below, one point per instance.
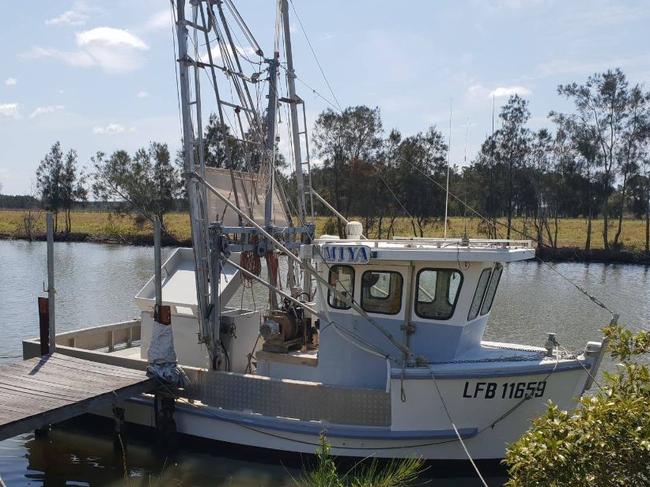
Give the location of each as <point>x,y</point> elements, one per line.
<point>349,254</point>
<point>507,390</point>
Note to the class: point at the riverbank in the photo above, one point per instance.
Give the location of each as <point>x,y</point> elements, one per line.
<point>104,227</point>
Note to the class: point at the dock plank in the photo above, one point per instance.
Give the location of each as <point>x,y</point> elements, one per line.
<point>53,388</point>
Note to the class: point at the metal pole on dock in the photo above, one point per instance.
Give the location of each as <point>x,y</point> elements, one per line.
<point>50,282</point>
<point>157,263</point>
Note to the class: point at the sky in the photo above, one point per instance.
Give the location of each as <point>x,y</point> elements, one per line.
<point>99,75</point>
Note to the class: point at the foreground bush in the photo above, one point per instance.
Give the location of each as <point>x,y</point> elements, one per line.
<point>605,441</point>
<point>396,473</point>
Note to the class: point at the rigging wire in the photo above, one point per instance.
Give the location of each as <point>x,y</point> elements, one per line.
<point>313,52</point>
<point>399,202</point>
<point>317,93</point>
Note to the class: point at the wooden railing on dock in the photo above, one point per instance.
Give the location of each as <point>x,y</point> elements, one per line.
<point>45,390</point>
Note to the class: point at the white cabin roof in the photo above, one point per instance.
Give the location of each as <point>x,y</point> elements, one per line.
<point>438,249</point>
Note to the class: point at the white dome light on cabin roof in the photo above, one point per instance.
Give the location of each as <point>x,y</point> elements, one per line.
<point>354,230</point>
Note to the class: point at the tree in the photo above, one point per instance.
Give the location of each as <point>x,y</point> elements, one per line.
<point>605,442</point>
<point>59,184</point>
<point>346,140</point>
<point>602,108</point>
<point>222,149</point>
<point>635,134</point>
<point>72,187</point>
<point>146,184</point>
<point>512,145</point>
<point>48,181</point>
<point>418,159</point>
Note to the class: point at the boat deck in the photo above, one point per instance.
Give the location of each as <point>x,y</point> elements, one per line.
<point>45,390</point>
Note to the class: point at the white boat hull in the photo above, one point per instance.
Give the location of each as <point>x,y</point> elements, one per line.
<point>488,420</point>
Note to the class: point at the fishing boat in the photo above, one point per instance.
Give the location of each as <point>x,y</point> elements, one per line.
<point>376,344</point>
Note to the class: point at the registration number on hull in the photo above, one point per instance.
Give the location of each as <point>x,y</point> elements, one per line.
<point>507,390</point>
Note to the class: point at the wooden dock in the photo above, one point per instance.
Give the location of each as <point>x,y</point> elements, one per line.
<point>49,389</point>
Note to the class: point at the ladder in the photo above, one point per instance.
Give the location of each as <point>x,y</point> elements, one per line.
<point>305,164</point>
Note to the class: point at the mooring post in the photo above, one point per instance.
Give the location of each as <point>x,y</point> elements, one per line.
<point>119,431</point>
<point>157,263</point>
<point>164,400</point>
<point>50,283</point>
<point>164,408</point>
<point>44,325</point>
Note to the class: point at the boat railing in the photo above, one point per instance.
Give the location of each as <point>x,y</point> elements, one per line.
<point>102,340</point>
<point>444,242</point>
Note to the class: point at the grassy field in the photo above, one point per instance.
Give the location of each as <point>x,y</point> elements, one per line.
<point>103,226</point>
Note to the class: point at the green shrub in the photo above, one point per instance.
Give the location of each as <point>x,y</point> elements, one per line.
<point>605,441</point>
<point>396,473</point>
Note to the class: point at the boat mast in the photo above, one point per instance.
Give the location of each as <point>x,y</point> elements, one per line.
<point>271,112</point>
<point>208,334</point>
<point>293,110</point>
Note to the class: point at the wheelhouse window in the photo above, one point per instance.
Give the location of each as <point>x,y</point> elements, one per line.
<point>492,289</point>
<point>479,294</point>
<point>381,292</point>
<point>341,278</point>
<point>437,293</point>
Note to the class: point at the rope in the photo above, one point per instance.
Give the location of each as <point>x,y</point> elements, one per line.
<point>460,438</point>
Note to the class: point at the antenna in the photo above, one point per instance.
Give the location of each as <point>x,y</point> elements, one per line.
<point>493,114</point>
<point>467,127</point>
<point>447,186</point>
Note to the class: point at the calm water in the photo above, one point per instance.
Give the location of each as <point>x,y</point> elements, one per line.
<point>96,284</point>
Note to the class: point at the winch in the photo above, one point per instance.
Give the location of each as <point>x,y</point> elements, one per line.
<point>287,329</point>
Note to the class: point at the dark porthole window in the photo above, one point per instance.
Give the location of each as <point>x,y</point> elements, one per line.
<point>341,278</point>
<point>492,289</point>
<point>437,293</point>
<point>479,293</point>
<point>381,292</point>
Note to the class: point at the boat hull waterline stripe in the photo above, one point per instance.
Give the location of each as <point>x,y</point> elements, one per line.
<point>316,428</point>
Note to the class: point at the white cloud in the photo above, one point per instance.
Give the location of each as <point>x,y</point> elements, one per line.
<point>477,93</point>
<point>69,17</point>
<point>11,82</point>
<point>506,91</point>
<point>77,15</point>
<point>71,58</point>
<point>109,36</point>
<point>142,94</point>
<point>113,50</point>
<point>9,110</point>
<point>112,129</point>
<point>46,109</point>
<point>159,20</point>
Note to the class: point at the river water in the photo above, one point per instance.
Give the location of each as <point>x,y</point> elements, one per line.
<point>96,283</point>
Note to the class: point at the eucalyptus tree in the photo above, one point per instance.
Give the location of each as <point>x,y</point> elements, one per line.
<point>513,144</point>
<point>540,171</point>
<point>635,134</point>
<point>602,109</point>
<point>146,183</point>
<point>48,181</point>
<point>419,160</point>
<point>59,183</point>
<point>223,149</point>
<point>72,186</point>
<point>346,141</point>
